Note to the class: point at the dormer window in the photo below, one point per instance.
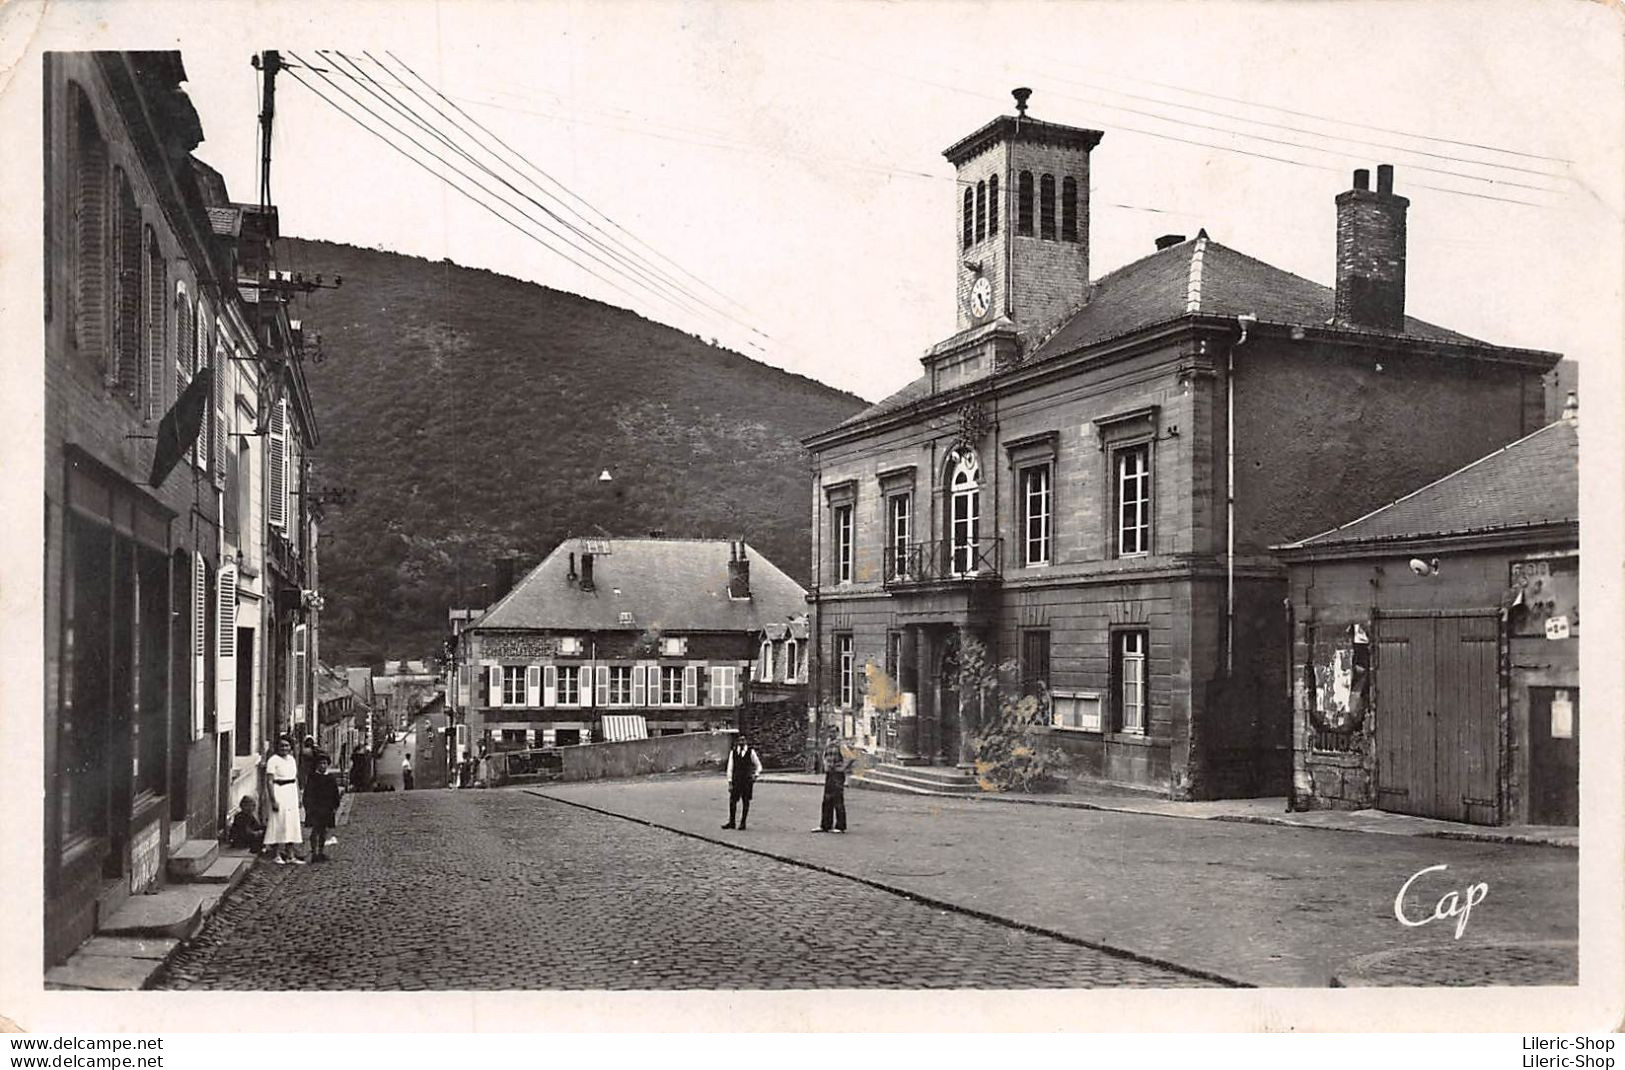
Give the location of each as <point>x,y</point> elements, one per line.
<point>764,662</point>
<point>1046,207</point>
<point>1024,203</point>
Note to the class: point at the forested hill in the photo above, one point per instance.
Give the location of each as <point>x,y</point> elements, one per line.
<point>473,414</point>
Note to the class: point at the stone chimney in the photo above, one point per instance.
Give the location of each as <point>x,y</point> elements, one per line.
<point>738,571</point>
<point>1168,241</point>
<point>586,572</point>
<point>1371,254</point>
<point>502,575</point>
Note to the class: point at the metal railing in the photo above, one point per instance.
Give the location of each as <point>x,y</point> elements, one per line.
<point>942,560</point>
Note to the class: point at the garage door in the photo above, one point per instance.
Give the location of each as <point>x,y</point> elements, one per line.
<point>1437,717</point>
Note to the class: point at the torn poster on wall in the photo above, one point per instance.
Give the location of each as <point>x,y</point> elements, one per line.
<point>1340,664</point>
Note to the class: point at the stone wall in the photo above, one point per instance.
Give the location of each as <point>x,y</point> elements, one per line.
<point>641,757</point>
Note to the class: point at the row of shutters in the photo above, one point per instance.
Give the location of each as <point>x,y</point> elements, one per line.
<point>541,685</point>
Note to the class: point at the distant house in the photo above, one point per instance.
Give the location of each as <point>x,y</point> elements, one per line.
<point>664,629</point>
<point>1436,645</point>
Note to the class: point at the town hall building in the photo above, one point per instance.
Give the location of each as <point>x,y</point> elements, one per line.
<point>1087,476</point>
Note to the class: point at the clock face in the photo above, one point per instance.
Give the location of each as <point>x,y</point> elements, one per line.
<point>981,297</point>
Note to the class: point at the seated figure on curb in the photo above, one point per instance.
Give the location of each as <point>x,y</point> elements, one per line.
<point>246,829</point>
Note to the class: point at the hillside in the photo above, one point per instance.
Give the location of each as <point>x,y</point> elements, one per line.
<point>473,413</point>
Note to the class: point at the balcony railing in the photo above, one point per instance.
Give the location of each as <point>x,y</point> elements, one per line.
<point>942,560</point>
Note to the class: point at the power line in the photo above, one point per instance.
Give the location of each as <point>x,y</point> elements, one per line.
<point>506,202</point>
<point>1328,119</point>
<point>386,140</point>
<point>565,189</point>
<point>381,93</point>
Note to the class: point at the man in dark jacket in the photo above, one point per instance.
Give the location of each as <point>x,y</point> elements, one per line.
<point>743,768</point>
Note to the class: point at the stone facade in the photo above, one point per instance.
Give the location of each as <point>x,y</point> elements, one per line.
<point>1165,646</point>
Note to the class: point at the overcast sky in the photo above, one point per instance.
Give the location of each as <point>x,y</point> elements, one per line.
<point>786,158</point>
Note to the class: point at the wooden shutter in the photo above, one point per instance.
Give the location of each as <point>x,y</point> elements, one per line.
<point>89,320</point>
<point>200,623</point>
<point>550,686</point>
<point>584,684</point>
<point>533,685</point>
<point>602,696</point>
<point>691,685</point>
<point>640,694</point>
<point>157,349</point>
<point>465,675</point>
<point>276,445</point>
<point>225,674</point>
<point>221,444</point>
<point>493,685</point>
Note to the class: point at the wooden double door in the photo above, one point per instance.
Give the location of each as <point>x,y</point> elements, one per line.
<point>1438,724</point>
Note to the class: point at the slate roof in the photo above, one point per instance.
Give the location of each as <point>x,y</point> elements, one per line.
<point>675,585</point>
<point>1531,482</point>
<point>1198,276</point>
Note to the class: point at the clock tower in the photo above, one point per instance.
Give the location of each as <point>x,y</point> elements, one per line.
<point>1021,221</point>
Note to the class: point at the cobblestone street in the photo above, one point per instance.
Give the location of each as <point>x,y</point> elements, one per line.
<point>506,890</point>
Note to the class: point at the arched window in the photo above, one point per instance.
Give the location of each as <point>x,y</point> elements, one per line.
<point>124,356</point>
<point>970,216</point>
<point>993,206</point>
<point>1046,207</point>
<point>792,668</point>
<point>981,210</point>
<point>87,322</point>
<point>964,511</point>
<point>1024,203</point>
<point>1069,209</point>
<point>764,662</point>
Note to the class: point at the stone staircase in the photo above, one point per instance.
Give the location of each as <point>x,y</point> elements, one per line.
<point>917,780</point>
<point>136,934</point>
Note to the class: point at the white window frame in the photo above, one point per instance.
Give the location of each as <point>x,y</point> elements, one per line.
<point>843,525</point>
<point>846,664</point>
<point>513,685</point>
<point>1129,650</point>
<point>1037,506</point>
<point>620,675</point>
<point>764,661</point>
<point>792,667</point>
<point>899,528</point>
<point>724,690</point>
<point>570,645</point>
<point>673,646</point>
<point>1132,499</point>
<point>965,513</point>
<point>568,685</point>
<point>671,694</point>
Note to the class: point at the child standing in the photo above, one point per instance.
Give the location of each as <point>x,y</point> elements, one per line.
<point>321,806</point>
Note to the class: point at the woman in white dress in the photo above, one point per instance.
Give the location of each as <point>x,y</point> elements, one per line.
<point>282,830</point>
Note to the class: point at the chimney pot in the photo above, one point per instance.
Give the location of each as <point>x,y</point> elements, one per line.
<point>1168,241</point>
<point>1371,254</point>
<point>1362,178</point>
<point>1385,178</point>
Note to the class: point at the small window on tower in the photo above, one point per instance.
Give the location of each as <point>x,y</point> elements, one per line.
<point>970,216</point>
<point>1069,209</point>
<point>1046,207</point>
<point>993,206</point>
<point>981,210</point>
<point>1024,203</point>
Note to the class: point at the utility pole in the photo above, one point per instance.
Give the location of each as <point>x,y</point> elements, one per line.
<point>268,63</point>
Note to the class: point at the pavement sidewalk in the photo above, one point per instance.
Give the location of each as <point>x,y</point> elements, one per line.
<point>1265,811</point>
<point>1234,900</point>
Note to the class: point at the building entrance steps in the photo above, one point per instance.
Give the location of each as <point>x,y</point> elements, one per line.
<point>177,911</point>
<point>917,780</point>
<point>192,859</point>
